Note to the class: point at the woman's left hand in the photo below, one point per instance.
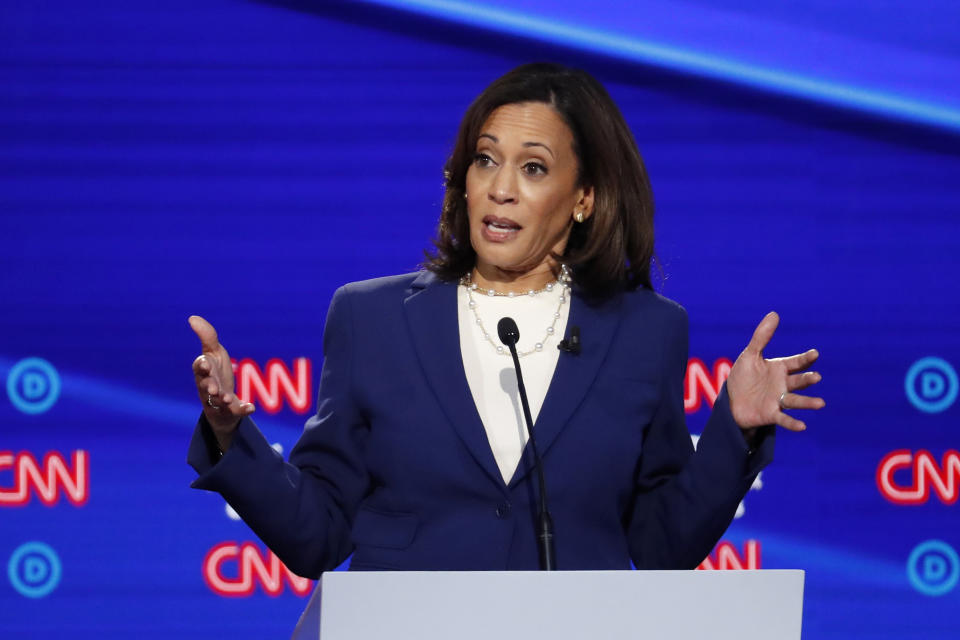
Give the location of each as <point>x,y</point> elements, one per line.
<point>761,389</point>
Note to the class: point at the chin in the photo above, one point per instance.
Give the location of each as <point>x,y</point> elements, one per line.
<point>503,260</point>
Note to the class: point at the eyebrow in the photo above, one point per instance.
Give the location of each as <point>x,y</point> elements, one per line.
<point>525,144</point>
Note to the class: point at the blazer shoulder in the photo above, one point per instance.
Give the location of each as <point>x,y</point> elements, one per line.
<point>650,303</point>
<point>380,286</point>
<point>367,304</point>
<point>373,293</point>
<point>382,295</point>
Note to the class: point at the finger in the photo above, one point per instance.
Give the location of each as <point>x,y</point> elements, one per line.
<point>763,333</point>
<point>212,403</point>
<point>204,385</point>
<point>800,361</point>
<point>221,405</point>
<point>211,387</point>
<point>202,368</point>
<point>202,364</point>
<point>799,381</point>
<point>789,422</point>
<point>797,401</point>
<point>206,333</point>
<point>235,407</point>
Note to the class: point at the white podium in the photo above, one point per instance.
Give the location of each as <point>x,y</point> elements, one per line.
<point>556,605</point>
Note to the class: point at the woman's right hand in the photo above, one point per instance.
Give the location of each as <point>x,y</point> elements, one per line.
<point>213,373</point>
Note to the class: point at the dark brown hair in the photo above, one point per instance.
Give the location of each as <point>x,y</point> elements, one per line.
<point>611,250</point>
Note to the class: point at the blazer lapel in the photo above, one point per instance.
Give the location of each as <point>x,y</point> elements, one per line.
<point>431,312</point>
<point>574,374</point>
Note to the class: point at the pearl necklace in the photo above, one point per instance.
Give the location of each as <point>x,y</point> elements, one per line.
<point>563,282</point>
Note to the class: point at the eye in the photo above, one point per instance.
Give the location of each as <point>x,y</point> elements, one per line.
<point>482,160</point>
<point>535,169</point>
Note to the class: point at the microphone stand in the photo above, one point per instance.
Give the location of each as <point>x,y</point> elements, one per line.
<point>509,335</point>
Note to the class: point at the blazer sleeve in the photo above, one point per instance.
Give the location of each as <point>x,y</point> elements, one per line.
<point>684,499</point>
<point>302,509</point>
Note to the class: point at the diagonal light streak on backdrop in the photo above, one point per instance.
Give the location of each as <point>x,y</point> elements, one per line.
<point>634,49</point>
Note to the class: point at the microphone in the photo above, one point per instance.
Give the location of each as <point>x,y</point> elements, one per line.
<point>571,344</point>
<point>509,332</point>
<point>510,335</point>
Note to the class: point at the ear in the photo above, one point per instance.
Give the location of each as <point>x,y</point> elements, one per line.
<point>585,201</point>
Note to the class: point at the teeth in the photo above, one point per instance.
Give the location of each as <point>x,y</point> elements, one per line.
<point>500,227</point>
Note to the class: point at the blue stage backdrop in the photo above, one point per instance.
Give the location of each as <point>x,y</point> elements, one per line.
<point>240,160</point>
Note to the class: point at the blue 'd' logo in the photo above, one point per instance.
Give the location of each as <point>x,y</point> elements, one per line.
<point>933,568</point>
<point>931,384</point>
<point>33,385</point>
<point>34,569</point>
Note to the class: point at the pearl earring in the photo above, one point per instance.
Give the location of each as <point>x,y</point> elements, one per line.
<point>578,216</point>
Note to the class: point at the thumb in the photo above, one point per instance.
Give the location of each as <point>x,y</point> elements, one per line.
<point>206,333</point>
<point>763,333</point>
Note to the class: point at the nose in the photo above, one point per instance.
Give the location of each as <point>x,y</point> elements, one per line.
<point>503,187</point>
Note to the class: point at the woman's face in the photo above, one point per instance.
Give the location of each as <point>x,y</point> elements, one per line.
<point>522,191</point>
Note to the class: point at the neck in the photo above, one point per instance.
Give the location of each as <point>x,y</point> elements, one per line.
<point>502,281</point>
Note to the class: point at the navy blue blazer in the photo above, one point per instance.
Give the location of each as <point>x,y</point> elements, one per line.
<point>395,466</point>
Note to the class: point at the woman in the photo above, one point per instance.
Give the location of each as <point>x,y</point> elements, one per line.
<point>416,458</point>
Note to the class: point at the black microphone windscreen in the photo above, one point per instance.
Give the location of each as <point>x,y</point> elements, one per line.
<point>508,331</point>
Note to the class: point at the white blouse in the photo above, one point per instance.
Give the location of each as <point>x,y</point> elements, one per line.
<point>491,376</point>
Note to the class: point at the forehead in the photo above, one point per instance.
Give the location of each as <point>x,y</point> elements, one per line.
<point>528,122</point>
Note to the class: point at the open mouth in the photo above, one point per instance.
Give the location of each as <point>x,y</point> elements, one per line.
<point>500,226</point>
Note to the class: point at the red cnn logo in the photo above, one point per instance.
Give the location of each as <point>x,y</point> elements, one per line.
<point>725,557</point>
<point>700,383</point>
<point>268,389</point>
<point>925,473</point>
<point>251,567</point>
<point>46,480</point>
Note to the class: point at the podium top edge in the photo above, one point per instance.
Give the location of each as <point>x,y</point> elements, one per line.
<point>597,572</point>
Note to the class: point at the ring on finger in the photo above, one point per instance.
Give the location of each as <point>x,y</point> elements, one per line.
<point>782,396</point>
<point>216,406</point>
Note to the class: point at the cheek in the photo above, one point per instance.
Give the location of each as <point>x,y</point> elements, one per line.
<point>469,194</point>
<point>553,216</point>
<point>473,195</point>
<point>554,228</point>
<point>473,183</point>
